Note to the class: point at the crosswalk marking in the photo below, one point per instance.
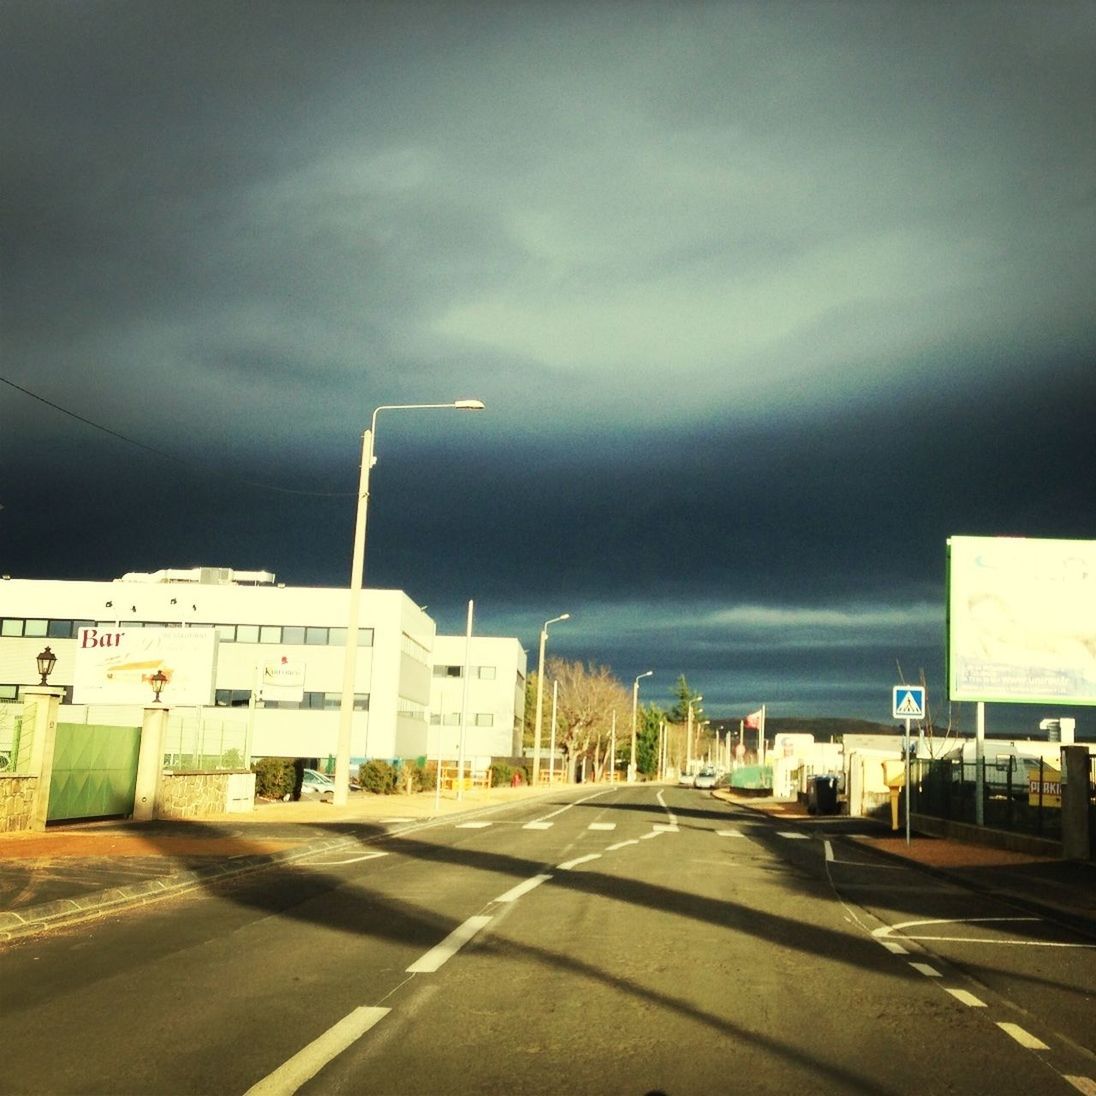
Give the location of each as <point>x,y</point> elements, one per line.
<point>1024,1038</point>
<point>791,836</point>
<point>473,825</point>
<point>538,825</point>
<point>602,826</point>
<point>965,997</point>
<point>729,833</point>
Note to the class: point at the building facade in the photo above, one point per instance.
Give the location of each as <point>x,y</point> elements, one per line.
<point>262,630</point>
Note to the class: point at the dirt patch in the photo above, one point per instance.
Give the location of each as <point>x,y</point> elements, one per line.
<point>949,854</point>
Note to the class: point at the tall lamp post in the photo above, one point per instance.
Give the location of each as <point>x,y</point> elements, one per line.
<point>540,695</point>
<point>689,734</point>
<point>357,574</point>
<point>635,705</point>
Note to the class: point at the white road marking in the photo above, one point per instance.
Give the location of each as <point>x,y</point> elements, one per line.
<point>792,836</point>
<point>662,827</point>
<point>886,930</point>
<point>569,864</point>
<point>449,947</point>
<point>965,997</point>
<point>514,893</point>
<point>350,860</point>
<point>386,821</point>
<point>1024,1038</point>
<point>473,825</point>
<point>926,970</point>
<point>1083,1084</point>
<point>538,825</point>
<point>621,845</point>
<point>829,851</point>
<point>566,807</point>
<point>729,833</point>
<point>306,1063</point>
<point>893,948</point>
<point>602,826</point>
<point>669,813</point>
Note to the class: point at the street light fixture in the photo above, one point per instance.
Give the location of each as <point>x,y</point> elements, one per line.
<point>158,680</point>
<point>540,695</point>
<point>46,661</point>
<point>357,575</point>
<point>635,705</point>
<point>689,734</point>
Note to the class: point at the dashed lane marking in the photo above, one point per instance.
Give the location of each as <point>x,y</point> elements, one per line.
<point>1024,1038</point>
<point>966,997</point>
<point>473,825</point>
<point>894,948</point>
<point>443,952</point>
<point>538,825</point>
<point>729,833</point>
<point>1083,1084</point>
<point>602,826</point>
<point>926,970</point>
<point>349,860</point>
<point>306,1063</point>
<point>514,893</point>
<point>567,865</point>
<point>792,836</point>
<point>662,827</point>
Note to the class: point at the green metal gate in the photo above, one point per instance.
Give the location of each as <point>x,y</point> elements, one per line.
<point>94,771</point>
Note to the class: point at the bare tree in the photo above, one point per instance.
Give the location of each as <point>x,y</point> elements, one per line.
<point>588,696</point>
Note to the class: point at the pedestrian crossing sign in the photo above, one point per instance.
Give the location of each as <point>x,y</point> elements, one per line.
<point>909,702</point>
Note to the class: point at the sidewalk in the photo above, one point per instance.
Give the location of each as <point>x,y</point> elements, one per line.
<point>1061,890</point>
<point>72,873</point>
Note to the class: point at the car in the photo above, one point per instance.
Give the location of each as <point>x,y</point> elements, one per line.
<point>706,778</point>
<point>685,780</point>
<point>315,784</point>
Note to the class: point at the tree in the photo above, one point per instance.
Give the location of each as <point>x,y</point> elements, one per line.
<point>679,713</point>
<point>649,721</point>
<point>588,695</point>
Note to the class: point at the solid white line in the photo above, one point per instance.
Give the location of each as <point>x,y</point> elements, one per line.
<point>1083,1084</point>
<point>602,826</point>
<point>1024,1038</point>
<point>306,1063</point>
<point>926,970</point>
<point>538,825</point>
<point>472,825</point>
<point>449,947</point>
<point>886,930</point>
<point>569,864</point>
<point>515,893</point>
<point>352,860</point>
<point>385,821</point>
<point>621,845</point>
<point>966,998</point>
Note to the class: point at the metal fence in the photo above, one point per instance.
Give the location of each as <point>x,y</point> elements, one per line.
<point>949,788</point>
<point>15,743</point>
<point>204,744</point>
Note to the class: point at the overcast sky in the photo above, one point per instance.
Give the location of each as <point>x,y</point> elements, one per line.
<point>765,301</point>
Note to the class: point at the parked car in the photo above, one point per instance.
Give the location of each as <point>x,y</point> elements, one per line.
<point>685,780</point>
<point>706,778</point>
<point>316,784</point>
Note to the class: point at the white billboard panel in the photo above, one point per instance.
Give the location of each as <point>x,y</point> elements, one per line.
<point>283,680</point>
<point>1022,620</point>
<point>114,665</point>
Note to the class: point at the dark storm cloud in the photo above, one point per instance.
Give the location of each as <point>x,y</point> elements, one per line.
<point>765,302</point>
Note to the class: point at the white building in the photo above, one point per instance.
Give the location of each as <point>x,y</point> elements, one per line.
<point>260,626</point>
<point>495,696</point>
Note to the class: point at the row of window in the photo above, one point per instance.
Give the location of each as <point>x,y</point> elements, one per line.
<point>288,634</point>
<point>484,673</point>
<point>314,701</point>
<point>452,719</point>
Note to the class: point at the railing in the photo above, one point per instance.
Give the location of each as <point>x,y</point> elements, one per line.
<point>1017,795</point>
<point>202,744</point>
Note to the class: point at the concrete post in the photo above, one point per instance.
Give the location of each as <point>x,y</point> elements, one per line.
<point>42,703</point>
<point>150,763</point>
<point>1075,812</point>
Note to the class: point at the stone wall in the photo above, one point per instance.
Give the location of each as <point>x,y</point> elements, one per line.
<point>17,795</point>
<point>202,794</point>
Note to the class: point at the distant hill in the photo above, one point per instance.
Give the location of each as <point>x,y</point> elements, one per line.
<point>822,729</point>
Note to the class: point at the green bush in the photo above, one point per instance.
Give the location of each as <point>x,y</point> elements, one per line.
<point>502,774</point>
<point>412,777</point>
<point>378,777</point>
<point>275,777</point>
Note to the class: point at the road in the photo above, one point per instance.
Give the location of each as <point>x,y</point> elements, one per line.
<point>627,940</point>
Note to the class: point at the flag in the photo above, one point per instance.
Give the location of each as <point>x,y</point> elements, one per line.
<point>754,718</point>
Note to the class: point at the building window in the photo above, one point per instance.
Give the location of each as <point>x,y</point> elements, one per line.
<point>270,633</point>
<point>247,633</point>
<point>10,626</point>
<point>293,634</point>
<point>232,698</point>
<point>485,719</point>
<point>447,671</point>
<point>9,692</point>
<point>226,633</point>
<point>486,673</point>
<point>316,637</point>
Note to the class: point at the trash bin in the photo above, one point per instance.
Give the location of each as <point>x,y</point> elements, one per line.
<point>824,794</point>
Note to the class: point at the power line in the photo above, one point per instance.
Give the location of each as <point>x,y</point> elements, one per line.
<point>169,456</point>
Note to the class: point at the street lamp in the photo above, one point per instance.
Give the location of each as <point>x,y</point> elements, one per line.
<point>540,695</point>
<point>158,680</point>
<point>357,575</point>
<point>46,661</point>
<point>635,704</point>
<point>689,734</point>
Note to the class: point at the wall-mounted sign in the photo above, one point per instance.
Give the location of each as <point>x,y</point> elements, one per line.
<point>114,665</point>
<point>283,679</point>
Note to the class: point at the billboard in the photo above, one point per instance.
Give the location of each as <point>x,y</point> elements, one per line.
<point>1022,620</point>
<point>113,665</point>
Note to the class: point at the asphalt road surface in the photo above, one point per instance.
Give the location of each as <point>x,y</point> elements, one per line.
<point>628,940</point>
